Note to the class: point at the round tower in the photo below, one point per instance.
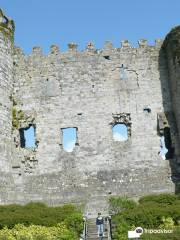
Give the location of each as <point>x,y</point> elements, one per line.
<point>171,46</point>
<point>6,87</point>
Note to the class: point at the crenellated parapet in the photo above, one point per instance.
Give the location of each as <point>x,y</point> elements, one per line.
<point>7,26</point>
<point>72,49</point>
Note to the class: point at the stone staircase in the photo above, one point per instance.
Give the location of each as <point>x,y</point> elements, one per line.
<point>92,230</point>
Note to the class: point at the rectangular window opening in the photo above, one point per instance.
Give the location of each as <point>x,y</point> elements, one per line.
<point>166,148</point>
<point>69,138</point>
<point>147,110</point>
<point>27,137</point>
<point>120,132</point>
<point>123,73</point>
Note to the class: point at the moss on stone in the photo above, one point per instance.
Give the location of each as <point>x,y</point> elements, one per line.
<point>15,122</point>
<point>13,100</point>
<point>20,115</point>
<point>8,33</point>
<point>17,117</point>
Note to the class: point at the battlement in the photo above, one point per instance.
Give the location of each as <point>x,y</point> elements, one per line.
<point>7,25</point>
<point>90,49</point>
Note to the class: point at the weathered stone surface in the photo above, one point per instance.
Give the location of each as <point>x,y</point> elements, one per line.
<point>91,91</point>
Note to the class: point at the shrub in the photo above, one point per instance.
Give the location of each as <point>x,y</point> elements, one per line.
<point>74,222</point>
<point>122,231</point>
<point>152,212</point>
<point>32,232</point>
<point>40,214</point>
<point>170,236</point>
<point>120,204</point>
<point>163,199</point>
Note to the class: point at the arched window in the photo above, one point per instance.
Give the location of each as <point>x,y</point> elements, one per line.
<point>120,132</point>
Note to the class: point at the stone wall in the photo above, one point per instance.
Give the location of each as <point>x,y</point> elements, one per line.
<point>171,47</point>
<point>91,91</point>
<point>6,88</point>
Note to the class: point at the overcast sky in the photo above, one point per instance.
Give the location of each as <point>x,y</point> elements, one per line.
<point>45,22</point>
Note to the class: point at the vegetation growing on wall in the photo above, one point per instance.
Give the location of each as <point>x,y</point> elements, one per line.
<point>17,116</point>
<point>8,33</point>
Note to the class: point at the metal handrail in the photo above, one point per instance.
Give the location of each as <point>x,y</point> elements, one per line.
<point>109,227</point>
<point>84,235</point>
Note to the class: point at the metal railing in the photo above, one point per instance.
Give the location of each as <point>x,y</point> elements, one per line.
<point>108,223</point>
<point>84,235</point>
<point>109,227</point>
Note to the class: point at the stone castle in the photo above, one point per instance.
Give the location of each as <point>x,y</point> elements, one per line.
<point>90,91</point>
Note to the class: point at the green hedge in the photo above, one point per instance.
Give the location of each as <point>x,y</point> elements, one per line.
<point>168,236</point>
<point>40,214</point>
<point>34,232</point>
<point>151,212</point>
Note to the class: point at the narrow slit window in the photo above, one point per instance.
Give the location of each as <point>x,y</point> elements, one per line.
<point>69,138</point>
<point>27,137</point>
<point>120,132</point>
<point>123,74</point>
<point>147,110</point>
<point>167,149</point>
<point>163,149</point>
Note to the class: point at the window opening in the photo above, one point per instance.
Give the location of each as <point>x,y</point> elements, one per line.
<point>163,149</point>
<point>167,151</point>
<point>93,88</point>
<point>123,74</point>
<point>147,110</point>
<point>27,137</point>
<point>107,57</point>
<point>120,132</point>
<point>69,138</point>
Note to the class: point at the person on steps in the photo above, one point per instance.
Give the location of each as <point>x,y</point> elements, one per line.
<point>100,225</point>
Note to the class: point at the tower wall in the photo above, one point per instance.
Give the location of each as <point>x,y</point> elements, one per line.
<point>172,48</point>
<point>6,88</point>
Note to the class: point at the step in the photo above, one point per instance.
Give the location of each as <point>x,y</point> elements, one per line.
<point>96,237</point>
<point>92,230</point>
